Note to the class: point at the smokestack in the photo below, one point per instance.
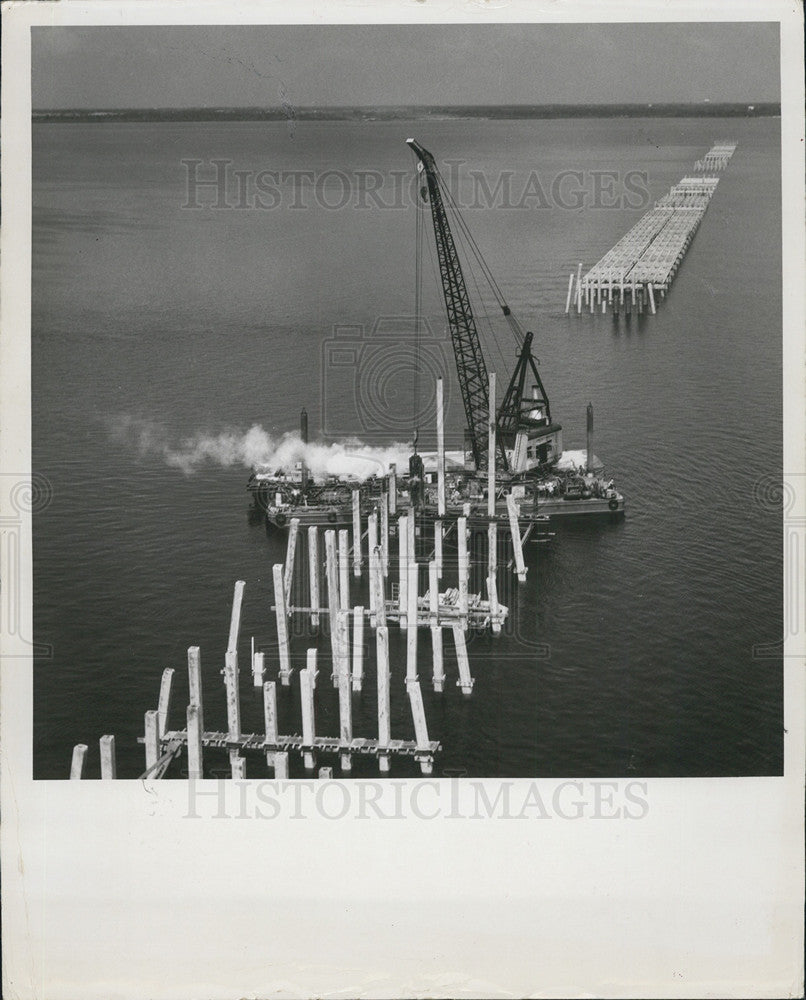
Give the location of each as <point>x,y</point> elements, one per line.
<point>589,455</point>
<point>303,433</point>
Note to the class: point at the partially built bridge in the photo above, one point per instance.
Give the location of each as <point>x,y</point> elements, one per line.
<point>641,267</point>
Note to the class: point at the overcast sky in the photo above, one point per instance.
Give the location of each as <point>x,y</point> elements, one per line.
<point>409,64</point>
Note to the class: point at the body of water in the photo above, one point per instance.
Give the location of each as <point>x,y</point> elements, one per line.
<point>644,646</point>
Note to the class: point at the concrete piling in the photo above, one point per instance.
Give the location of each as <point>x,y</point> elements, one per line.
<point>356,533</point>
<point>464,569</point>
<point>358,648</point>
<point>345,720</point>
<point>333,602</point>
<point>308,724</point>
<point>194,680</point>
<point>313,572</point>
<point>281,765</point>
<point>231,661</point>
<point>403,570</point>
<point>258,669</point>
<point>291,551</point>
<point>378,587</point>
<point>385,533</point>
<point>412,626</point>
<point>515,531</point>
<point>270,718</point>
<point>342,665</point>
<point>492,597</point>
<point>332,579</point>
<point>152,738</point>
<point>281,618</point>
<point>372,547</point>
<point>436,628</point>
<point>344,570</point>
<point>392,489</point>
<point>420,727</point>
<point>384,704</point>
<point>570,291</point>
<point>411,525</point>
<point>465,681</point>
<point>195,735</point>
<point>108,761</point>
<point>164,704</point>
<point>438,535</point>
<point>233,697</point>
<point>310,662</point>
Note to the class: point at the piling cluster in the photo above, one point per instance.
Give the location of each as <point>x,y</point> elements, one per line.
<point>638,271</point>
<point>410,589</point>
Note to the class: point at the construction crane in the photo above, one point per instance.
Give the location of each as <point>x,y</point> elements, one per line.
<point>517,413</point>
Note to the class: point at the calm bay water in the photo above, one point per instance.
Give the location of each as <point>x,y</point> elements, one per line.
<point>631,650</point>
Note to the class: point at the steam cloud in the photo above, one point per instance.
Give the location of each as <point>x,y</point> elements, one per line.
<point>257,448</point>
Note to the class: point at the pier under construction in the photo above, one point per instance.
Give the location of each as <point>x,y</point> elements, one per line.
<point>412,592</point>
<point>640,268</point>
<point>394,589</point>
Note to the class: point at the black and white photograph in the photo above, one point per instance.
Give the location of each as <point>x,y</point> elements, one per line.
<point>441,412</point>
<point>408,438</point>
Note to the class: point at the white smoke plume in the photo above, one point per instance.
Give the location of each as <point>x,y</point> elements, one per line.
<point>256,448</point>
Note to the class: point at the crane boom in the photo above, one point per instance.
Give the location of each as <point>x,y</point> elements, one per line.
<point>470,364</point>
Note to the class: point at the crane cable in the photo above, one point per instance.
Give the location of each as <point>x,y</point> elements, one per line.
<point>418,307</point>
<point>471,250</point>
<point>483,314</point>
<point>496,290</point>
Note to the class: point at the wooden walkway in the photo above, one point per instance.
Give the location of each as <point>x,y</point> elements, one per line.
<point>640,268</point>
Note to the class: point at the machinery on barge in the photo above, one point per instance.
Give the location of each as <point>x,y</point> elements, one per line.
<point>529,461</point>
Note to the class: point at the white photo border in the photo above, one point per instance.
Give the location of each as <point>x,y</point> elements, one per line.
<point>109,891</point>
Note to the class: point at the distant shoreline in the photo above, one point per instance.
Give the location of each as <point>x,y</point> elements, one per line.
<point>410,113</point>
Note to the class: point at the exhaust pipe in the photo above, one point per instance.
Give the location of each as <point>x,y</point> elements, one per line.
<point>303,433</point>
